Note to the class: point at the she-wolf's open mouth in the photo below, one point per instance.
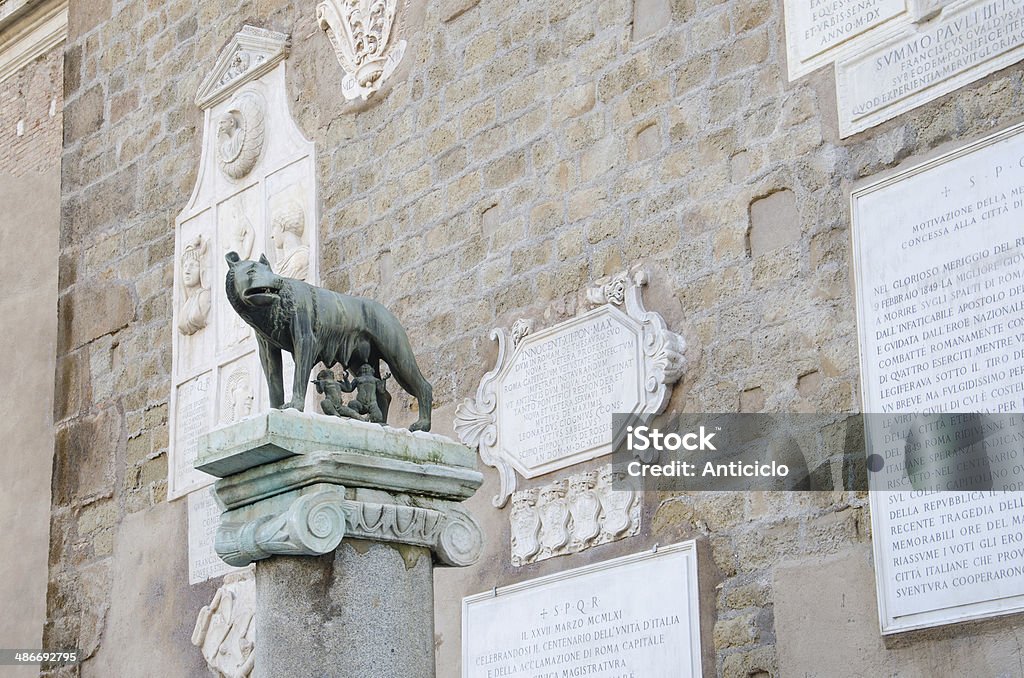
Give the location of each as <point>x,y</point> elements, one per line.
<point>261,292</point>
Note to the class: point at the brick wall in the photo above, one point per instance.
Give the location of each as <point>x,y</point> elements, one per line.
<point>532,147</point>
<point>31,108</point>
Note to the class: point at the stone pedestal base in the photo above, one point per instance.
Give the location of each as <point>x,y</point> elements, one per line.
<point>364,611</point>
<point>345,521</point>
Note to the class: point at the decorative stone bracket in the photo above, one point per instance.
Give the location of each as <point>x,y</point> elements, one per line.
<point>295,483</point>
<point>633,374</point>
<point>318,517</point>
<point>360,32</point>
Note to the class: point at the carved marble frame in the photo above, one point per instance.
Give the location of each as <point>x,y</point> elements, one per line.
<point>663,364</point>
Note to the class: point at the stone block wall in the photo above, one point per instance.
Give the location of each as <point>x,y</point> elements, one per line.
<point>525,149</point>
<point>31,116</point>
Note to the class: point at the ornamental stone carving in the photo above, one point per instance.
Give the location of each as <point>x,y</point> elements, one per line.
<point>571,515</point>
<point>548,402</point>
<point>225,631</point>
<point>312,524</point>
<point>361,33</point>
<point>318,518</point>
<point>195,287</point>
<point>238,396</point>
<point>240,132</point>
<point>287,228</point>
<point>252,53</point>
<point>520,329</point>
<point>254,158</point>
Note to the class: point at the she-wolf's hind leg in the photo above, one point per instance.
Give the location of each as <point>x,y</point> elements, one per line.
<point>407,374</point>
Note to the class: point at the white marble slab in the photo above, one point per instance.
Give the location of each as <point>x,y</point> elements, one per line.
<point>939,258</point>
<point>255,194</point>
<point>920,63</point>
<point>631,616</point>
<point>203,519</point>
<point>820,31</point>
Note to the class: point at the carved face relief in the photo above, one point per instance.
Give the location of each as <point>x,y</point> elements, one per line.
<point>194,311</point>
<point>190,273</point>
<point>240,132</point>
<point>288,225</point>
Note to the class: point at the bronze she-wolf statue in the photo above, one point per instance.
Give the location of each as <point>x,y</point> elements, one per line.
<point>318,325</point>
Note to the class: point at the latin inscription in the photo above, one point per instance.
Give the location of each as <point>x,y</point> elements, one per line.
<point>921,65</point>
<point>819,30</point>
<point>630,620</point>
<point>561,388</point>
<point>192,420</point>
<point>203,520</point>
<point>941,307</point>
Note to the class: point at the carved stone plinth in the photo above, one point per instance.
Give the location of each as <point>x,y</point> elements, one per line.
<point>345,521</point>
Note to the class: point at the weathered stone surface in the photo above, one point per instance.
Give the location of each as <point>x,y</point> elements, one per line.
<point>774,222</point>
<point>311,613</point>
<point>84,114</point>
<point>453,9</point>
<point>140,599</point>
<point>84,454</point>
<point>85,317</point>
<point>838,593</point>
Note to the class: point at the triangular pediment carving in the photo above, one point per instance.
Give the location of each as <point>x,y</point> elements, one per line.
<point>251,53</point>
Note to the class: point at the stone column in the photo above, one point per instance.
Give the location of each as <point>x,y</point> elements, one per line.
<point>345,521</point>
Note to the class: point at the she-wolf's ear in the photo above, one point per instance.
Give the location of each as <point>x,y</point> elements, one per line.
<point>232,258</point>
<point>263,260</point>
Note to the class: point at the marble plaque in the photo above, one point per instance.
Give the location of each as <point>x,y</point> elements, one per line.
<point>818,31</point>
<point>255,194</point>
<point>548,403</point>
<point>193,404</point>
<point>921,63</point>
<point>203,519</point>
<point>631,616</point>
<point>939,256</point>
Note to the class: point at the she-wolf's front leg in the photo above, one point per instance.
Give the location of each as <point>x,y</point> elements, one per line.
<point>270,358</point>
<point>304,352</point>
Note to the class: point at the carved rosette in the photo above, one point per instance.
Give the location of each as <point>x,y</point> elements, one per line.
<point>360,33</point>
<point>663,364</point>
<point>240,135</point>
<point>545,522</point>
<point>314,523</point>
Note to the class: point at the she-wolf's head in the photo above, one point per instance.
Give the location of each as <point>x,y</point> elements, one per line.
<point>254,282</point>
